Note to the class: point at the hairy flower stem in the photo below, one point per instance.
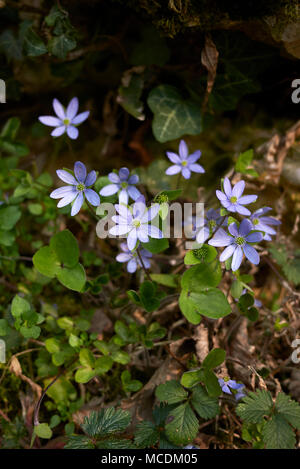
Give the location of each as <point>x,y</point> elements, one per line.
<point>178,181</point>
<point>143,265</point>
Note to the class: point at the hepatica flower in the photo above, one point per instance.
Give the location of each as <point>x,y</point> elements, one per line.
<point>238,243</point>
<point>261,223</point>
<point>203,229</point>
<point>124,183</point>
<point>232,198</point>
<point>66,119</point>
<point>132,258</point>
<point>228,384</point>
<point>134,222</point>
<point>183,162</point>
<point>78,188</point>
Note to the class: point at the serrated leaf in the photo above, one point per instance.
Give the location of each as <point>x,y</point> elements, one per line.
<point>206,406</point>
<point>278,434</point>
<point>288,409</point>
<point>146,434</point>
<point>183,427</point>
<point>255,406</point>
<point>106,422</point>
<point>173,116</point>
<point>171,392</point>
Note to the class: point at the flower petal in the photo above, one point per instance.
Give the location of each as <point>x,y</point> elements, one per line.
<point>58,131</point>
<point>59,109</point>
<point>77,204</point>
<point>124,174</point>
<point>80,118</point>
<point>108,190</point>
<point>133,192</point>
<point>183,150</point>
<point>154,232</point>
<point>237,258</point>
<point>227,252</point>
<point>255,237</point>
<point>242,210</point>
<point>50,120</point>
<point>132,239</point>
<point>123,197</point>
<point>80,171</point>
<point>92,197</point>
<point>142,234</point>
<point>197,168</point>
<point>132,266</point>
<point>227,187</point>
<point>194,157</point>
<point>67,199</point>
<point>247,199</point>
<point>123,257</point>
<point>72,108</point>
<point>66,177</point>
<point>62,192</point>
<point>72,132</point>
<point>175,169</point>
<point>233,229</point>
<point>251,254</point>
<point>119,230</point>
<point>221,196</point>
<point>113,177</point>
<point>134,179</point>
<point>221,238</point>
<point>91,178</point>
<point>238,189</point>
<point>173,157</point>
<point>270,221</point>
<point>150,213</point>
<point>245,227</point>
<point>186,173</point>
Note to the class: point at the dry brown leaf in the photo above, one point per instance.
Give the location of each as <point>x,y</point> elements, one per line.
<point>209,59</point>
<point>16,369</point>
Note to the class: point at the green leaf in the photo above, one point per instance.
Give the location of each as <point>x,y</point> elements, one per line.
<point>106,422</point>
<point>73,278</point>
<point>173,116</point>
<point>103,364</point>
<point>84,375</point>
<point>288,409</point>
<point>10,128</point>
<point>65,246</point>
<point>46,262</point>
<point>19,306</point>
<point>61,45</point>
<point>211,383</point>
<point>146,434</point>
<point>168,280</point>
<point>171,392</point>
<point>190,378</point>
<point>183,427</point>
<point>243,162</point>
<point>43,431</point>
<point>86,358</point>
<point>201,276</point>
<point>206,406</point>
<point>255,406</point>
<point>212,304</point>
<point>32,332</point>
<point>130,385</point>
<point>62,391</point>
<point>278,434</point>
<point>33,44</point>
<point>197,256</point>
<point>215,358</point>
<point>129,96</point>
<point>9,216</point>
<point>4,327</point>
<point>156,245</point>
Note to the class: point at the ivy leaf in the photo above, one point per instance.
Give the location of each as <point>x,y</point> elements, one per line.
<point>183,427</point>
<point>171,392</point>
<point>33,44</point>
<point>255,406</point>
<point>11,46</point>
<point>206,406</point>
<point>278,434</point>
<point>129,95</point>
<point>61,45</point>
<point>173,116</point>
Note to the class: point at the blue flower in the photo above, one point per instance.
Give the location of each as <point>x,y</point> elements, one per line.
<point>132,258</point>
<point>232,198</point>
<point>261,223</point>
<point>238,243</point>
<point>191,447</point>
<point>203,229</point>
<point>227,384</point>
<point>184,162</point>
<point>66,119</point>
<point>134,222</point>
<point>124,184</point>
<point>79,186</point>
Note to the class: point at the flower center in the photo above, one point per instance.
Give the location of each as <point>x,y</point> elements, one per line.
<point>240,240</point>
<point>66,121</point>
<point>162,198</point>
<point>255,221</point>
<point>80,187</point>
<point>212,224</point>
<point>233,199</point>
<point>184,163</point>
<point>136,223</point>
<point>226,379</point>
<point>124,185</point>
